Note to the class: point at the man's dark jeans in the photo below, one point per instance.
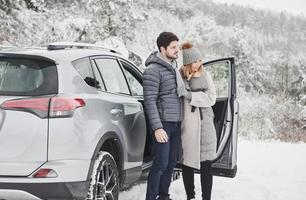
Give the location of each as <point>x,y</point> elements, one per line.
<point>166,155</point>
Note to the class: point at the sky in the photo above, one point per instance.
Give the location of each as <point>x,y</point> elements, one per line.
<point>295,7</point>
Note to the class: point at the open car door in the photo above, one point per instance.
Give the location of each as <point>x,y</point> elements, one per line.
<point>226,112</point>
<point>226,116</point>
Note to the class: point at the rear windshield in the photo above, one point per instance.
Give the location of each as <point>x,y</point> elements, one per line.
<point>27,77</point>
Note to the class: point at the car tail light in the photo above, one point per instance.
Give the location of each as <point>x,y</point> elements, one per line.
<point>45,173</point>
<point>64,107</point>
<point>43,107</point>
<point>37,106</point>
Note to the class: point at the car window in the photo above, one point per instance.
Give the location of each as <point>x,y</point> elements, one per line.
<point>98,76</point>
<point>83,67</point>
<point>135,86</point>
<point>112,75</point>
<point>220,75</point>
<point>27,77</point>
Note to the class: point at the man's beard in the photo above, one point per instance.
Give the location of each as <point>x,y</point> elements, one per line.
<point>172,57</point>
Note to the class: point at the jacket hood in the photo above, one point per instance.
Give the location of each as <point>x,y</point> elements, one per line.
<point>155,57</point>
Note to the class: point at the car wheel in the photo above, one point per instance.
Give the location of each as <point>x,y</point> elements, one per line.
<point>104,184</point>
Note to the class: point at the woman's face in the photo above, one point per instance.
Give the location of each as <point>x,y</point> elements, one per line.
<point>196,65</point>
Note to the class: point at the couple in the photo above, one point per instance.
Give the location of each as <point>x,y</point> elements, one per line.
<point>178,104</point>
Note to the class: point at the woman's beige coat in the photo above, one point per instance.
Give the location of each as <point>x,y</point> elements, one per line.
<point>199,140</point>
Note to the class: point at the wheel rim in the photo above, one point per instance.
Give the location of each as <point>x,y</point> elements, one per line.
<point>107,184</point>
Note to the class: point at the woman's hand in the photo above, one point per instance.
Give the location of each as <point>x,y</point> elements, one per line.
<point>190,76</point>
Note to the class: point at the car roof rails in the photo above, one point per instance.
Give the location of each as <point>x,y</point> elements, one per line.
<point>76,45</point>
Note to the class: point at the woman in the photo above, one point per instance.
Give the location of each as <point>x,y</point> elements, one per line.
<point>199,140</point>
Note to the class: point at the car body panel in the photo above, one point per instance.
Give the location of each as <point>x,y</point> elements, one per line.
<point>23,147</point>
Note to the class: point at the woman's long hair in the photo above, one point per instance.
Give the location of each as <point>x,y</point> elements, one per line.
<point>185,71</point>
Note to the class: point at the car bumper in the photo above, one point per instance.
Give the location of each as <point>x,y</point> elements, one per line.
<point>44,191</point>
<point>71,183</point>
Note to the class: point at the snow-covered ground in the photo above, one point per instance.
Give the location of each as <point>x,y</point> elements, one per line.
<point>266,171</point>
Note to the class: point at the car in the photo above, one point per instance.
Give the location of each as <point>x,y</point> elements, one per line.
<point>73,125</point>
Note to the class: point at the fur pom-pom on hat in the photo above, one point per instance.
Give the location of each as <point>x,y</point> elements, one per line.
<point>186,45</point>
<point>190,53</point>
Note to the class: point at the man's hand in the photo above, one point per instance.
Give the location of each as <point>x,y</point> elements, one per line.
<point>161,135</point>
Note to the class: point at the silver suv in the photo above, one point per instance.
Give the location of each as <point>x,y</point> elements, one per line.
<point>72,123</point>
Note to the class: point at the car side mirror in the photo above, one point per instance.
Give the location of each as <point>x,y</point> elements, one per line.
<point>92,82</point>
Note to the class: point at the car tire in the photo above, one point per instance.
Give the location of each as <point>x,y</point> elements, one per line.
<point>104,182</point>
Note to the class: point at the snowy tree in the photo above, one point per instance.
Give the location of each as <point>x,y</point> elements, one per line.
<point>112,18</point>
<point>269,47</point>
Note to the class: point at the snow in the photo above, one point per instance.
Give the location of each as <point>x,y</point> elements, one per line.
<point>266,171</point>
<point>116,44</point>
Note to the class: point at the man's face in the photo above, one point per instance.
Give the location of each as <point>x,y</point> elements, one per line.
<point>171,52</point>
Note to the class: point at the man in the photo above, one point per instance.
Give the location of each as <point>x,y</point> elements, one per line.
<point>164,109</point>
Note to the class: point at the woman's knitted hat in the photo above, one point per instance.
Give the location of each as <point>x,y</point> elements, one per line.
<point>190,54</point>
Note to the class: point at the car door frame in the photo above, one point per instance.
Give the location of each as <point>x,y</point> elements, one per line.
<point>228,167</point>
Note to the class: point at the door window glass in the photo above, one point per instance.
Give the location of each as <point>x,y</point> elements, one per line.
<point>112,75</point>
<point>220,75</point>
<point>135,86</point>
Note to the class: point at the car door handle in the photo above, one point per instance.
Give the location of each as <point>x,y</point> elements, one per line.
<point>116,111</point>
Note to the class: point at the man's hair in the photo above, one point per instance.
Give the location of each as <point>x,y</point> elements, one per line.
<point>165,38</point>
